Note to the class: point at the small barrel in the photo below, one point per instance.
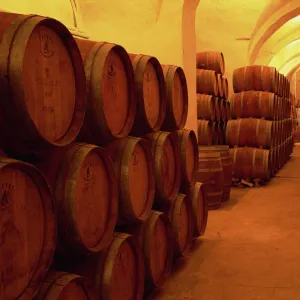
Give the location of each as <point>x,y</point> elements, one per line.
<point>198,198</point>
<point>188,147</point>
<point>250,133</point>
<point>181,217</point>
<point>205,132</point>
<point>210,173</point>
<point>225,88</point>
<point>226,161</point>
<point>167,166</point>
<point>150,93</point>
<point>228,110</point>
<point>27,229</point>
<point>207,82</point>
<point>215,133</point>
<point>176,97</point>
<point>62,285</point>
<point>117,272</point>
<point>251,163</point>
<point>134,168</point>
<point>43,90</point>
<point>256,78</point>
<point>254,104</point>
<point>111,102</point>
<point>83,179</point>
<point>210,60</point>
<point>206,107</point>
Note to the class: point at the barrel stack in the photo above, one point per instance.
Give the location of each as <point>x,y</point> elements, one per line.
<point>98,174</point>
<point>260,132</point>
<point>213,113</point>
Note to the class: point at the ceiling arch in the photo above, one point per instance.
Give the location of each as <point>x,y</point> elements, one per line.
<point>289,66</point>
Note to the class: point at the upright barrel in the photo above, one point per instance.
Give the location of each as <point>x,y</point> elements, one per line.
<point>27,223</point>
<point>176,97</point>
<point>206,107</point>
<point>111,102</point>
<point>210,173</point>
<point>42,86</point>
<point>210,60</point>
<point>150,93</point>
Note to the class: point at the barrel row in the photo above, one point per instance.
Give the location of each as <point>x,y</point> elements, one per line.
<point>211,83</point>
<point>258,104</point>
<point>260,78</point>
<point>253,163</point>
<point>93,92</point>
<point>211,133</point>
<point>253,132</point>
<point>212,108</point>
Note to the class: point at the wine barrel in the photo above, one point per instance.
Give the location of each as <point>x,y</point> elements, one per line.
<point>223,110</point>
<point>62,285</point>
<point>207,82</point>
<point>220,86</point>
<point>205,132</point>
<point>251,163</point>
<point>221,133</point>
<point>111,102</point>
<point>250,133</point>
<point>85,186</point>
<point>218,109</point>
<point>210,60</point>
<point>117,272</point>
<point>225,88</point>
<point>42,84</point>
<point>228,111</point>
<point>134,168</point>
<point>226,162</point>
<point>210,173</point>
<point>256,78</point>
<point>215,133</point>
<point>150,93</point>
<point>27,223</point>
<point>188,146</point>
<point>176,97</point>
<point>181,217</point>
<point>254,104</point>
<point>167,166</point>
<point>198,198</point>
<point>156,238</point>
<point>206,107</point>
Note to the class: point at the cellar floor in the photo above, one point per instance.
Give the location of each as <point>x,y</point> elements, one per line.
<point>251,249</point>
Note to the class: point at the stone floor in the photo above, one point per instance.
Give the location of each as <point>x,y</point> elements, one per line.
<point>251,249</point>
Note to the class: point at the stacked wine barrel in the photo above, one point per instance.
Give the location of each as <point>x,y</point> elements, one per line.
<point>260,132</point>
<point>97,171</point>
<point>213,107</point>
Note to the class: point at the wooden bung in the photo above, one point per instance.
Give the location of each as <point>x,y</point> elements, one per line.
<point>27,223</point>
<point>111,100</point>
<point>43,91</point>
<point>62,285</point>
<point>134,168</point>
<point>150,93</point>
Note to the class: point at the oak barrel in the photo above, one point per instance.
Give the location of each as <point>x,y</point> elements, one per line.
<point>42,85</point>
<point>176,97</point>
<point>134,168</point>
<point>83,179</point>
<point>167,165</point>
<point>254,104</point>
<point>250,133</point>
<point>206,107</point>
<point>111,101</point>
<point>210,173</point>
<point>228,110</point>
<point>256,78</point>
<point>206,82</point>
<point>251,163</point>
<point>188,147</point>
<point>62,285</point>
<point>225,88</point>
<point>27,222</point>
<point>150,93</point>
<point>226,161</point>
<point>117,272</point>
<point>198,198</point>
<point>215,133</point>
<point>218,109</point>
<point>210,60</point>
<point>220,86</point>
<point>221,133</point>
<point>223,110</point>
<point>181,217</point>
<point>205,132</point>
